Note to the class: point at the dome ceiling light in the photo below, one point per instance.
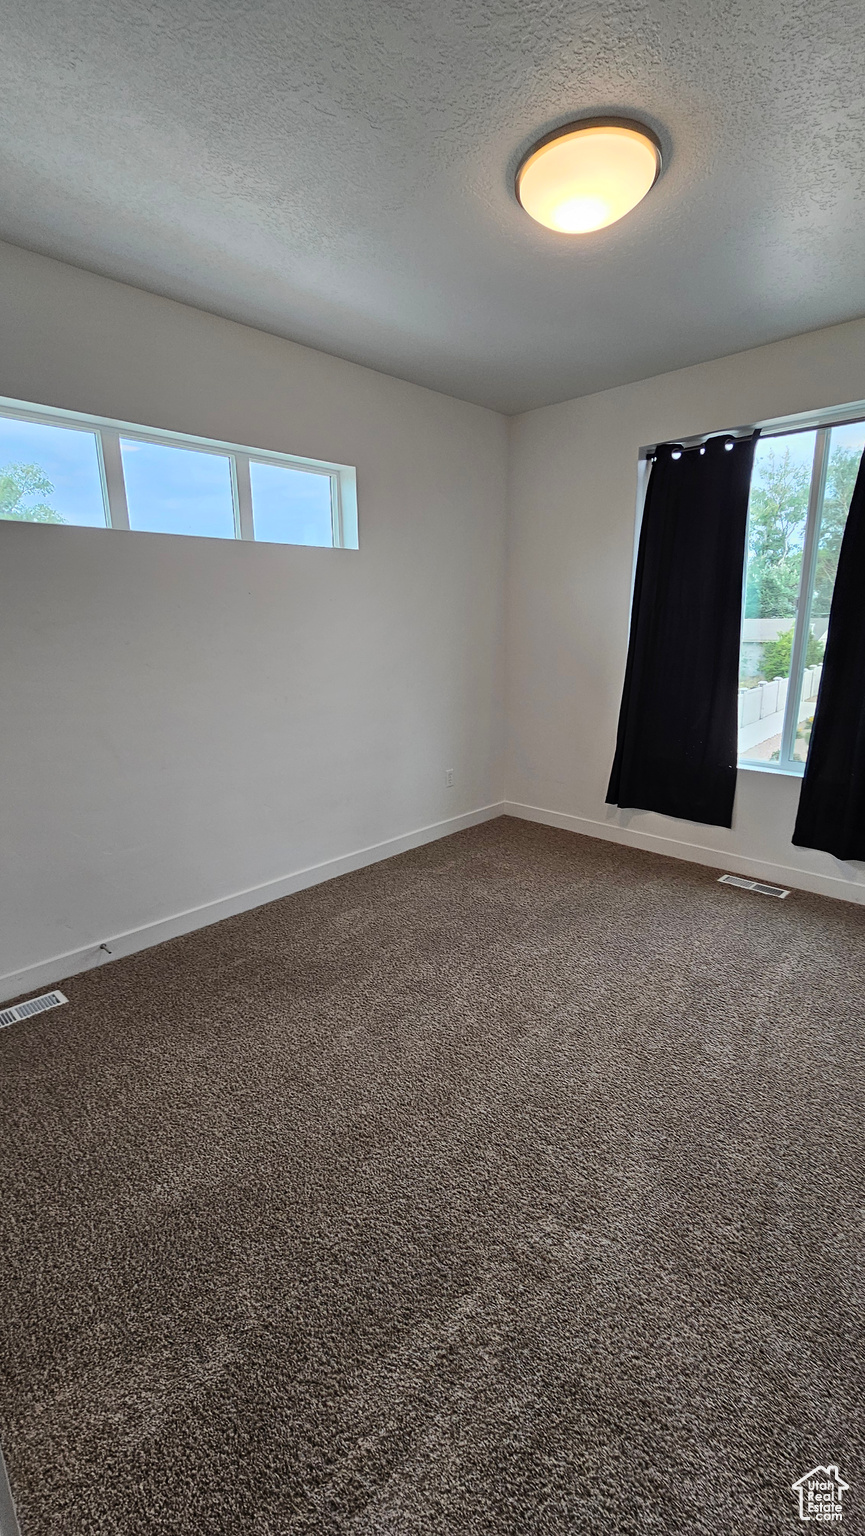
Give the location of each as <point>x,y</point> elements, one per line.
<point>588,174</point>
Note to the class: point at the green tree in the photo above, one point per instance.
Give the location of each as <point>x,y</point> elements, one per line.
<point>777,654</point>
<point>840,480</point>
<point>776,528</point>
<point>20,482</point>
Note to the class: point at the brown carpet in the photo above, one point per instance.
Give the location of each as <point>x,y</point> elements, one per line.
<point>511,1186</point>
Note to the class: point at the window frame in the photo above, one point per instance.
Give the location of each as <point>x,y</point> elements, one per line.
<point>108,433</point>
<point>821,423</point>
<point>787,763</point>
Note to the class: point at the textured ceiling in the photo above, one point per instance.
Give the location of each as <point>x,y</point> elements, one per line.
<point>340,172</point>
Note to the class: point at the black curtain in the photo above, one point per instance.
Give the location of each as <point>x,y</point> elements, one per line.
<point>832,803</point>
<point>677,744</point>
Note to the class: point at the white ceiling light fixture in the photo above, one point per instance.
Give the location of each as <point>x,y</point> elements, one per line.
<point>588,174</point>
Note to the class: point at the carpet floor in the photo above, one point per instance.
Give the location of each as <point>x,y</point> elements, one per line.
<point>511,1186</point>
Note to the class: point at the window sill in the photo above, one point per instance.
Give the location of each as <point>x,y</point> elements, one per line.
<point>788,772</point>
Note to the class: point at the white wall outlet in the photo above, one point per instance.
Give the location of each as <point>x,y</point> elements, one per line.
<point>449,778</point>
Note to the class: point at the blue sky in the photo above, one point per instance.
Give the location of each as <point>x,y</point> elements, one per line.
<point>174,490</point>
<point>168,489</point>
<point>799,445</point>
<point>849,437</point>
<point>70,461</point>
<point>289,505</point>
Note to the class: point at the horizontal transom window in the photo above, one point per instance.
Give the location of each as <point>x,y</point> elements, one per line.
<point>59,467</point>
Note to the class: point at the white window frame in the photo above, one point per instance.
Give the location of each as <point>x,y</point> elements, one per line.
<point>108,432</point>
<point>822,423</point>
<point>802,618</point>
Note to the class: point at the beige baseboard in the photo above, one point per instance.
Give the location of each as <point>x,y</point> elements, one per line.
<point>46,973</point>
<point>695,853</point>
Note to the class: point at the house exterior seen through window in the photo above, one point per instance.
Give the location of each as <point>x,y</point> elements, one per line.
<point>801,487</point>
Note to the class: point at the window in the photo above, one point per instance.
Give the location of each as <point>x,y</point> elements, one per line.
<point>50,474</point>
<point>801,487</point>
<point>289,506</point>
<point>60,467</point>
<point>177,490</point>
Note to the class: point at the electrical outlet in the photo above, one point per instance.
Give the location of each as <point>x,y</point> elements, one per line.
<point>449,778</point>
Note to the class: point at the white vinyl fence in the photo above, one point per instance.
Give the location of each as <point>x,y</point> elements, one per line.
<point>770,698</point>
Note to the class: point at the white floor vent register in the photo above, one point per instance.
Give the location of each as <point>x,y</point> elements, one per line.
<point>32,1005</point>
<point>754,885</point>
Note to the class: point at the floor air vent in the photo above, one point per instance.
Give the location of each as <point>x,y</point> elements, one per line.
<point>754,885</point>
<point>32,1005</point>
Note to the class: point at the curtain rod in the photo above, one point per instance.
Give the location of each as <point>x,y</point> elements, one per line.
<point>691,444</point>
<point>772,429</point>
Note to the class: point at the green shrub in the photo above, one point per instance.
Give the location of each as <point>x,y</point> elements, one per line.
<point>777,653</point>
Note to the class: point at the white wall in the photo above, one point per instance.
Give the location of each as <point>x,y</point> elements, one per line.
<point>183,722</point>
<point>573,486</point>
<point>184,719</point>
